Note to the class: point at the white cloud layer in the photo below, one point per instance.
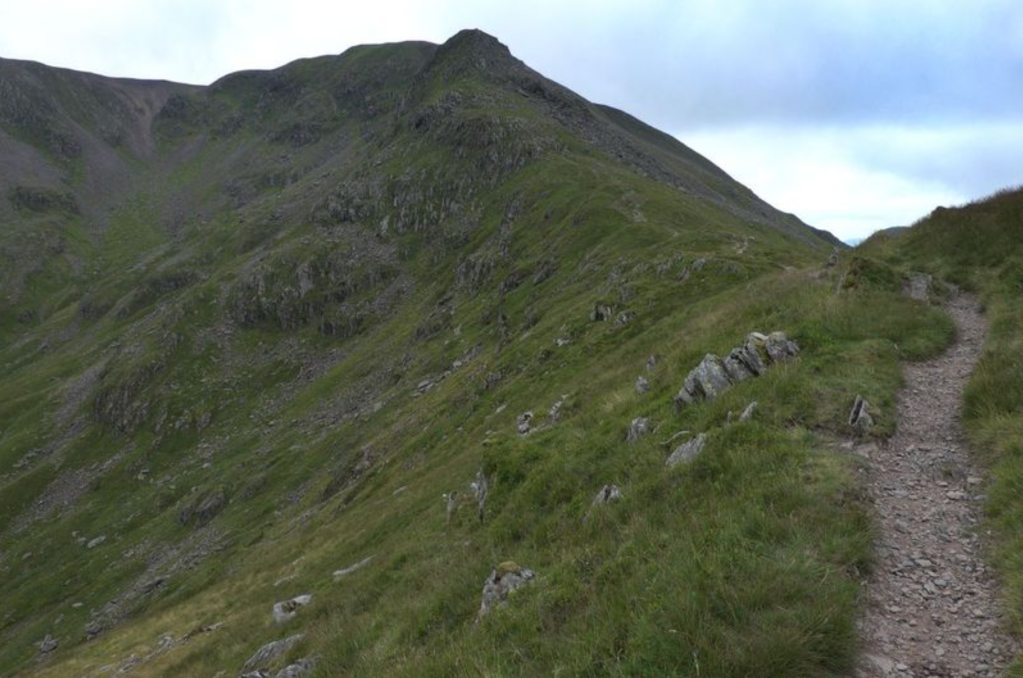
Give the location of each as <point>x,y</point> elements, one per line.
<point>855,114</point>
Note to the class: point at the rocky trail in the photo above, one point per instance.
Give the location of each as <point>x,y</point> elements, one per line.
<point>932,606</point>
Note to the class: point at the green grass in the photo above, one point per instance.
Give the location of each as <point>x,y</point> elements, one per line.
<point>747,561</point>
<point>978,246</point>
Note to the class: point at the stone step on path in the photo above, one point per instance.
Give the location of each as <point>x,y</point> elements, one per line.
<point>932,603</point>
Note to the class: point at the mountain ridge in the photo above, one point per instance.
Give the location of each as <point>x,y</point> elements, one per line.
<point>260,342</point>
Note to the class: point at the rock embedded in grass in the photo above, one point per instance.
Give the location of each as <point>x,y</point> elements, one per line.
<point>859,416</point>
<point>480,488</point>
<point>607,495</point>
<point>503,580</point>
<point>266,654</point>
<point>713,376</point>
<point>287,609</point>
<point>47,644</point>
<point>639,427</point>
<point>687,451</point>
<point>345,571</point>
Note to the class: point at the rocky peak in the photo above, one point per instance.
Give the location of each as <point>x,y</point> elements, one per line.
<point>474,50</point>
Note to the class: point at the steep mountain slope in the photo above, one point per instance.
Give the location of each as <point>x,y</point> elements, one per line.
<point>255,333</point>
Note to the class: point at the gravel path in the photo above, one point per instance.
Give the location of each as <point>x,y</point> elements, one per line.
<point>932,605</point>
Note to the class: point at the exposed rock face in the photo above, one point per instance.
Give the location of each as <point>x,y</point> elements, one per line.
<point>287,609</point>
<point>687,450</point>
<point>602,312</point>
<point>204,508</point>
<point>47,644</point>
<point>624,318</point>
<point>503,580</point>
<point>706,382</point>
<point>642,385</point>
<point>555,412</point>
<point>480,487</point>
<point>918,286</point>
<point>269,652</point>
<point>780,348</point>
<point>607,495</point>
<point>299,668</point>
<point>859,416</point>
<point>639,427</point>
<point>345,571</point>
<point>93,543</point>
<point>713,376</point>
<point>522,423</point>
<point>747,414</point>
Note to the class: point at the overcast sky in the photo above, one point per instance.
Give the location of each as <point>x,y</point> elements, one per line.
<point>854,114</point>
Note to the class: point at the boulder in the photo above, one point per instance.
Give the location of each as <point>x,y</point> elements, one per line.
<point>269,652</point>
<point>859,416</point>
<point>706,382</point>
<point>639,427</point>
<point>503,580</point>
<point>287,609</point>
<point>522,423</point>
<point>602,312</point>
<point>687,450</point>
<point>642,385</point>
<point>299,668</point>
<point>624,318</point>
<point>93,543</point>
<point>780,348</point>
<point>607,495</point>
<point>747,360</point>
<point>747,414</point>
<point>918,286</point>
<point>47,644</point>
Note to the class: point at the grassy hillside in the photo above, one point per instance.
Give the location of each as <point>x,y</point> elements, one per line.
<point>979,247</point>
<point>267,342</point>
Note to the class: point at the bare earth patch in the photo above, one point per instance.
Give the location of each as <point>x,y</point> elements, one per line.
<point>932,606</point>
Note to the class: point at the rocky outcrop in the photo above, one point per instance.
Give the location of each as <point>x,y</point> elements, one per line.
<point>642,385</point>
<point>859,416</point>
<point>607,495</point>
<point>707,381</point>
<point>266,654</point>
<point>47,644</point>
<point>287,609</point>
<point>918,286</point>
<point>503,580</point>
<point>713,376</point>
<point>300,668</point>
<point>480,488</point>
<point>203,508</point>
<point>345,571</point>
<point>748,413</point>
<point>687,450</point>
<point>522,423</point>
<point>602,313</point>
<point>639,427</point>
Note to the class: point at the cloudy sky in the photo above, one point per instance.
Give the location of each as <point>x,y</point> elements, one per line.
<point>854,114</point>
